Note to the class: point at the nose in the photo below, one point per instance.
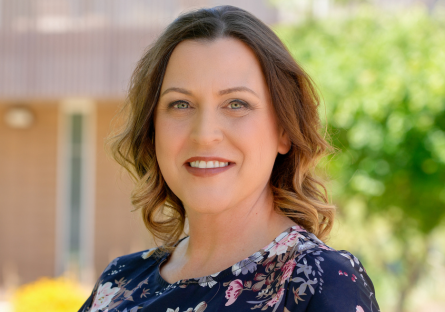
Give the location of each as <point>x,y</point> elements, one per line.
<point>206,129</point>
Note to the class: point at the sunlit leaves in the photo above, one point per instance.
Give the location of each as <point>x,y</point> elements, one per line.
<point>382,79</point>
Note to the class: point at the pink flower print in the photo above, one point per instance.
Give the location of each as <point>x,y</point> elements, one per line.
<point>276,298</point>
<point>287,269</point>
<point>234,290</point>
<point>103,296</point>
<point>353,278</point>
<point>359,309</point>
<point>298,228</point>
<point>282,242</point>
<point>340,272</point>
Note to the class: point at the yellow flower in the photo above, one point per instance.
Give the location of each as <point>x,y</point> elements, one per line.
<point>49,295</point>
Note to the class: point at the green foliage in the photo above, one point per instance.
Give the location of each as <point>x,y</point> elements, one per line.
<point>383,82</point>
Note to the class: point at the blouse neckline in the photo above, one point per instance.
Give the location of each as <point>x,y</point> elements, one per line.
<point>218,276</point>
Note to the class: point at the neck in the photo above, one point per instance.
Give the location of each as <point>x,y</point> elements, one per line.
<point>237,232</point>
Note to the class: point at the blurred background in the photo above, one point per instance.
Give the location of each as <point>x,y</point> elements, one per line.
<point>64,70</point>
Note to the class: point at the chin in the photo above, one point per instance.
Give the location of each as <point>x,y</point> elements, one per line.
<point>206,204</point>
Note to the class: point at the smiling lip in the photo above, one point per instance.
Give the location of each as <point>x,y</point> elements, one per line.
<point>207,172</point>
<point>207,158</point>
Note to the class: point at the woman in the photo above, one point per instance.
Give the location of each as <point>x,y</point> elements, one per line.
<point>223,132</point>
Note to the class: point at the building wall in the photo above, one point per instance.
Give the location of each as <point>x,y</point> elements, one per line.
<point>55,49</point>
<point>28,192</point>
<point>28,196</point>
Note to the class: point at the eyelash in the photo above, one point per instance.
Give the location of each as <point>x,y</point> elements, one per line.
<point>244,104</point>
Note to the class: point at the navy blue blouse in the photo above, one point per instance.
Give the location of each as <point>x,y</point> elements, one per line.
<point>296,272</point>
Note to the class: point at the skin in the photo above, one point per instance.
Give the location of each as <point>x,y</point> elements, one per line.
<point>231,214</point>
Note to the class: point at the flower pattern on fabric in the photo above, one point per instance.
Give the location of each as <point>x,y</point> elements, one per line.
<point>287,269</point>
<point>276,298</point>
<point>282,243</point>
<point>112,263</point>
<point>296,272</point>
<point>234,290</point>
<point>104,296</point>
<point>207,280</point>
<point>247,265</point>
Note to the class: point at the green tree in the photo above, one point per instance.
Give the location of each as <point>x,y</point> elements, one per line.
<point>383,83</point>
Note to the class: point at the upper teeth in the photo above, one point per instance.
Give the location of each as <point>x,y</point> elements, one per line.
<point>208,164</point>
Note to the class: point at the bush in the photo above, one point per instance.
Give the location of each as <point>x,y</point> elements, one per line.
<point>49,295</point>
<point>383,83</point>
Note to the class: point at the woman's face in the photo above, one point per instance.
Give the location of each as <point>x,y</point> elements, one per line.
<point>215,111</point>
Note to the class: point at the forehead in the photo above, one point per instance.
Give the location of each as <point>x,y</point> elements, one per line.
<point>225,62</point>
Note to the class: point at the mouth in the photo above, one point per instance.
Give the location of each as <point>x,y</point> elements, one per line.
<point>207,166</point>
<point>208,162</point>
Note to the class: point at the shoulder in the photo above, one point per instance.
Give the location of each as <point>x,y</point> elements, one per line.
<point>120,272</point>
<point>131,261</point>
<point>336,278</point>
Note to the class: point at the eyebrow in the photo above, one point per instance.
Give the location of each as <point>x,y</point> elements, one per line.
<point>221,92</point>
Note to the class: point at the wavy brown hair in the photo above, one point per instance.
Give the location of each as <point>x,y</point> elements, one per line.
<point>298,194</point>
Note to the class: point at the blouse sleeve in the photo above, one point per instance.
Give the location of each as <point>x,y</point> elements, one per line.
<point>330,281</point>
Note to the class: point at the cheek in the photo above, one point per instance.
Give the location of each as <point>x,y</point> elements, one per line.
<point>257,138</point>
<point>168,134</point>
<point>168,142</point>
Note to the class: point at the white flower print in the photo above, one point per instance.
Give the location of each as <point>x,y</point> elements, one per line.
<point>306,245</point>
<point>351,258</point>
<point>247,265</point>
<point>104,296</point>
<point>315,238</point>
<point>200,307</point>
<point>306,269</point>
<point>134,309</point>
<point>305,284</point>
<point>282,242</point>
<point>112,263</point>
<point>207,280</point>
<point>289,271</point>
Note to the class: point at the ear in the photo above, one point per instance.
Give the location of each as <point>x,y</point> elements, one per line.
<point>284,143</point>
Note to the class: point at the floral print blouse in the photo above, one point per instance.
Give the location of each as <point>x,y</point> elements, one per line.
<point>296,272</point>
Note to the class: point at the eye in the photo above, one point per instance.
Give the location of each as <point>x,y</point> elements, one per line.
<point>179,105</point>
<point>238,104</point>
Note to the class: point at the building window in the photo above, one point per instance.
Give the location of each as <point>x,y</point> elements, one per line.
<point>75,221</point>
<point>75,189</point>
